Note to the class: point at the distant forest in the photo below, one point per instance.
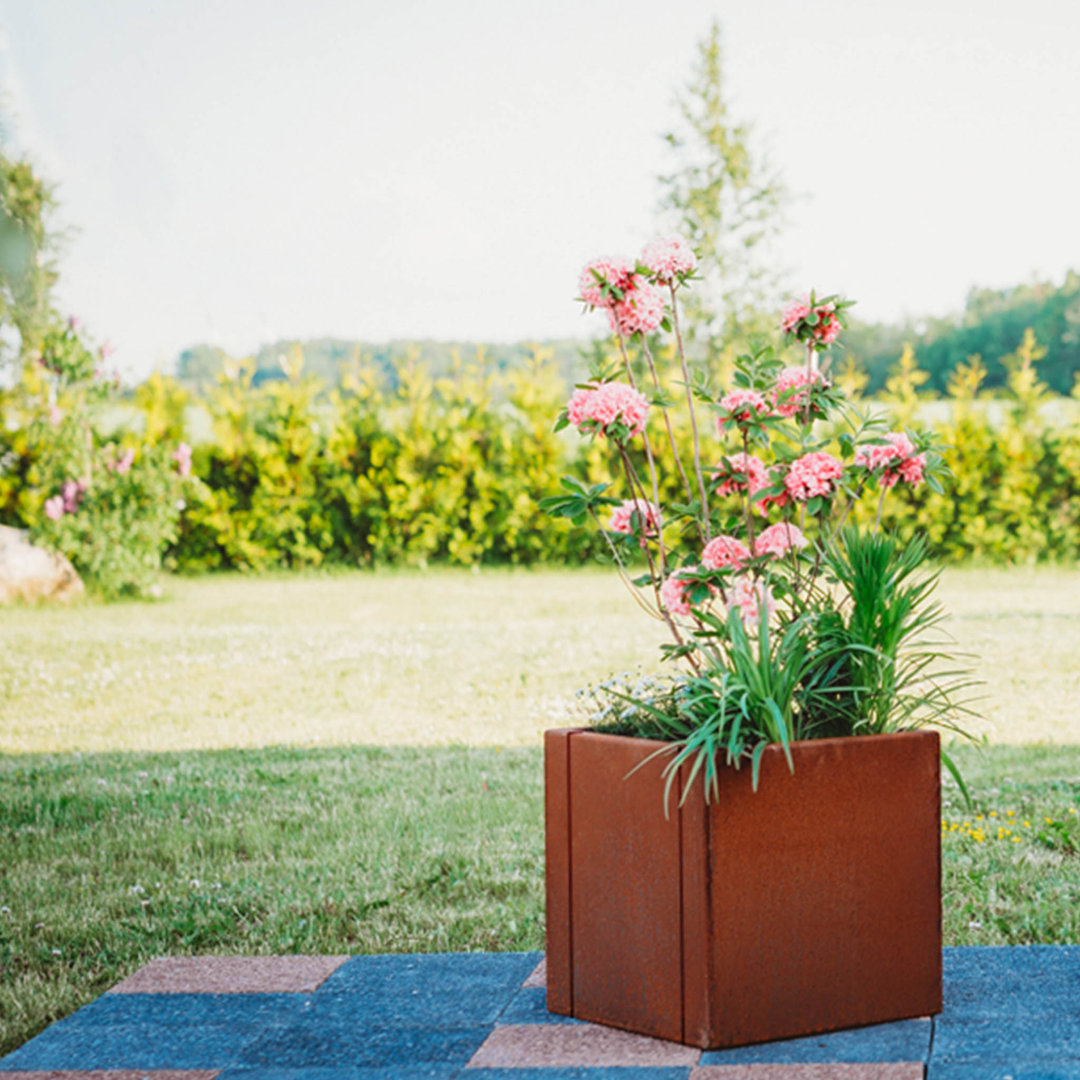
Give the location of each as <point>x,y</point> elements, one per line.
<point>991,326</point>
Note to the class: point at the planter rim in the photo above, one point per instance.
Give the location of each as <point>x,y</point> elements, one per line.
<point>907,733</point>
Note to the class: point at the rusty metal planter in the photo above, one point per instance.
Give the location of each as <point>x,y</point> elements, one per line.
<point>810,905</point>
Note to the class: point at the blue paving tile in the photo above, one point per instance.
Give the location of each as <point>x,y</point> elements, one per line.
<point>1011,981</point>
<point>1030,1040</point>
<point>530,1007</point>
<point>904,1040</point>
<point>996,1071</point>
<point>414,1071</point>
<point>355,1043</point>
<point>68,1045</point>
<point>429,991</point>
<point>241,1010</point>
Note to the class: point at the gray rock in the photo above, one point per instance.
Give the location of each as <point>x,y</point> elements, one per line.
<point>28,572</point>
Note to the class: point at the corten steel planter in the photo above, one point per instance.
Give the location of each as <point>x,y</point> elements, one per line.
<point>809,905</point>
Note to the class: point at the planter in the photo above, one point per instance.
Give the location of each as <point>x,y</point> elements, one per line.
<point>810,905</point>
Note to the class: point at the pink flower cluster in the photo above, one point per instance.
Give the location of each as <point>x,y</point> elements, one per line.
<point>740,472</point>
<point>674,593</point>
<point>895,458</point>
<point>604,403</point>
<point>825,331</point>
<point>636,307</point>
<point>622,518</point>
<point>812,475</point>
<point>668,258</point>
<point>723,551</point>
<point>123,463</point>
<point>615,271</point>
<point>793,386</point>
<point>779,539</point>
<point>641,311</point>
<point>742,407</point>
<point>182,457</point>
<point>67,502</point>
<point>749,598</point>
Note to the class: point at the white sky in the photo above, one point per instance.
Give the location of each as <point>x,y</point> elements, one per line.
<point>243,170</point>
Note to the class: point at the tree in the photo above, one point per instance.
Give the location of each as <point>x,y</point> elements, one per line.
<point>27,250</point>
<point>726,201</point>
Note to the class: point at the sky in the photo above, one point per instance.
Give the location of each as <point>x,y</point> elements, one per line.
<point>240,171</point>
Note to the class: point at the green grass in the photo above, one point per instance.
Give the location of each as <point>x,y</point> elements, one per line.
<point>432,658</point>
<point>110,860</point>
<point>129,828</point>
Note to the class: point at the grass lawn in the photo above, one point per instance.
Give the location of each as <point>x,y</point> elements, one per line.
<point>432,659</point>
<point>130,826</point>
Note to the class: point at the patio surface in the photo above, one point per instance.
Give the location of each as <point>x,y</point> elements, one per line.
<point>1010,1014</point>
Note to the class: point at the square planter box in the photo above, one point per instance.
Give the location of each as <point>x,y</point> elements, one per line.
<point>809,905</point>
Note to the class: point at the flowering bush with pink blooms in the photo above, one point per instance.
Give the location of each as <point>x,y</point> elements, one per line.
<point>787,621</point>
<point>111,506</point>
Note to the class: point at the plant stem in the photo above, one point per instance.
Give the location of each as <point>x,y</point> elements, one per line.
<point>667,421</point>
<point>648,448</point>
<point>693,416</point>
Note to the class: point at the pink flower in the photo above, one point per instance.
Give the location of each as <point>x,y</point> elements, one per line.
<point>779,539</point>
<point>74,322</point>
<point>826,330</point>
<point>674,593</point>
<point>55,415</point>
<point>107,350</point>
<point>791,388</point>
<point>125,461</point>
<point>71,492</point>
<point>913,469</point>
<point>604,403</point>
<point>669,258</point>
<point>794,314</point>
<point>812,475</point>
<point>749,598</point>
<point>182,457</point>
<point>740,472</point>
<point>641,311</point>
<point>741,407</point>
<point>54,508</point>
<point>622,518</point>
<point>614,270</point>
<point>895,458</point>
<point>724,551</point>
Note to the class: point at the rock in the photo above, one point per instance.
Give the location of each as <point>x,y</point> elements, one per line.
<point>28,572</point>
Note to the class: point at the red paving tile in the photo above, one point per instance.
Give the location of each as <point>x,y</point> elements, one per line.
<point>541,1046</point>
<point>892,1070</point>
<point>231,975</point>
<point>539,975</point>
<point>114,1074</point>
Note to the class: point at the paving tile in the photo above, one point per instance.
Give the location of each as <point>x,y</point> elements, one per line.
<point>989,1070</point>
<point>886,1070</point>
<point>1011,981</point>
<point>231,975</point>
<point>113,1074</point>
<point>68,1045</point>
<point>614,1072</point>
<point>411,1071</point>
<point>438,990</point>
<point>537,1046</point>
<point>538,975</point>
<point>529,1006</point>
<point>902,1041</point>
<point>345,1043</point>
<point>252,1011</point>
<point>1021,1041</point>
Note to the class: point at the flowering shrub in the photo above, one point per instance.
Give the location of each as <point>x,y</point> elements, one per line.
<point>789,621</point>
<point>111,507</point>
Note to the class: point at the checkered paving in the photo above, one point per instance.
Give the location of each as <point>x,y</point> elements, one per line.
<point>1010,1014</point>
